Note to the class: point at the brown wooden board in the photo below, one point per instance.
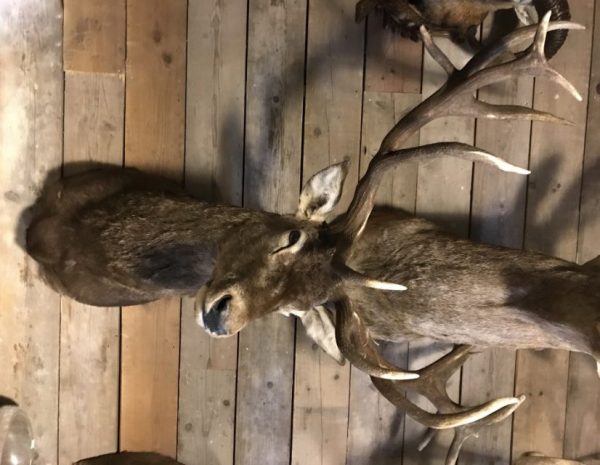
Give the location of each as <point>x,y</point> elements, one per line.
<point>335,51</point>
<point>94,36</point>
<point>551,227</point>
<point>376,428</point>
<point>274,96</point>
<point>31,94</point>
<point>213,171</point>
<point>154,141</point>
<point>443,196</point>
<point>394,64</point>
<point>89,343</point>
<point>582,428</point>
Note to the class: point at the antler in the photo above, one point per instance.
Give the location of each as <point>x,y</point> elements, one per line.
<point>358,347</point>
<point>355,342</point>
<point>466,421</point>
<point>456,97</point>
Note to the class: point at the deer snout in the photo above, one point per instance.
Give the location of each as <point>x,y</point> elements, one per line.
<point>214,315</point>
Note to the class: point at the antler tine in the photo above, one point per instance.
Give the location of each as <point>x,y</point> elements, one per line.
<point>364,197</point>
<point>356,345</point>
<point>431,384</point>
<point>461,85</point>
<point>449,414</point>
<point>455,97</point>
<point>477,108</point>
<point>435,52</point>
<point>462,433</point>
<point>510,41</point>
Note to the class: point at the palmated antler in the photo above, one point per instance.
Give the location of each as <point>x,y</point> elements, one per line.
<point>394,383</point>
<point>456,98</point>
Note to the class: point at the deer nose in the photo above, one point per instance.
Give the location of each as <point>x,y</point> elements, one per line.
<point>214,318</point>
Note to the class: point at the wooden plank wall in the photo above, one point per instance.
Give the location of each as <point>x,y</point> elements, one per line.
<point>242,102</point>
<point>31,139</point>
<point>94,108</point>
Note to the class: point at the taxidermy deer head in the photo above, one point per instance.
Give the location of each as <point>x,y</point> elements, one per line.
<point>117,237</point>
<point>393,277</point>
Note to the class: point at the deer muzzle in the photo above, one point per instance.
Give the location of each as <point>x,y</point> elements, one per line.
<point>214,316</point>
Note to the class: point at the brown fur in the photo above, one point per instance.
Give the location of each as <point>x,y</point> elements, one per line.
<point>119,237</point>
<point>458,17</point>
<point>458,291</point>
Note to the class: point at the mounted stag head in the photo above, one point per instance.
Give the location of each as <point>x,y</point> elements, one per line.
<point>455,290</point>
<point>118,237</point>
<point>294,264</point>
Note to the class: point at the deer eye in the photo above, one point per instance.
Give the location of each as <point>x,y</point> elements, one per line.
<point>291,242</point>
<point>293,237</point>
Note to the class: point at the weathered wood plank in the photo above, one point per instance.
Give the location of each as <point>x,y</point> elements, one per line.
<point>331,134</point>
<point>213,171</point>
<point>206,396</point>
<point>443,195</point>
<point>551,227</point>
<point>94,36</point>
<point>497,217</point>
<point>422,353</point>
<point>154,141</point>
<point>274,94</point>
<point>376,428</point>
<point>582,429</point>
<point>89,344</point>
<point>394,64</point>
<point>31,96</point>
<point>380,112</point>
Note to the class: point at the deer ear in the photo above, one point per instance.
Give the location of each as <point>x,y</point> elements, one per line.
<point>322,192</point>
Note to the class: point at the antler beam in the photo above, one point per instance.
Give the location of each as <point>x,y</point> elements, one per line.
<point>358,347</point>
<point>456,97</point>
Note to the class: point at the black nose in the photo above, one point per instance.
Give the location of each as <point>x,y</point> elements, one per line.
<point>214,318</point>
<point>221,305</point>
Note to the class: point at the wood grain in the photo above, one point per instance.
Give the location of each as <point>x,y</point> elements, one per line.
<point>274,95</point>
<point>551,227</point>
<point>376,427</point>
<point>331,134</point>
<point>89,343</point>
<point>31,92</point>
<point>582,428</point>
<point>394,64</point>
<point>94,36</point>
<point>154,141</point>
<point>213,171</point>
